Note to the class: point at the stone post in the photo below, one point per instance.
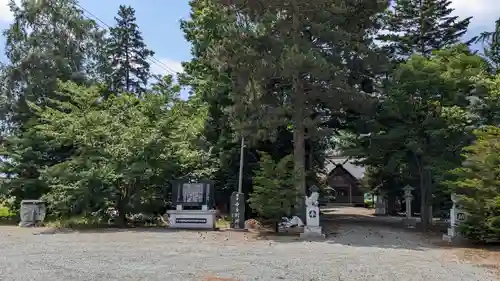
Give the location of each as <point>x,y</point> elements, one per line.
<point>409,221</point>
<point>237,210</point>
<point>457,216</point>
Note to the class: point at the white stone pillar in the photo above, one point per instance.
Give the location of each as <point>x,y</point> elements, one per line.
<point>312,229</point>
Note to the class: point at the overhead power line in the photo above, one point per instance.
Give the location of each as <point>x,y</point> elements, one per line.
<point>151,59</point>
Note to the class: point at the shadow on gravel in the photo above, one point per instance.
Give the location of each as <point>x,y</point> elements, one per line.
<point>362,230</point>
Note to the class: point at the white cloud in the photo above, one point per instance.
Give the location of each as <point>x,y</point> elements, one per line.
<point>484,12</point>
<point>166,66</point>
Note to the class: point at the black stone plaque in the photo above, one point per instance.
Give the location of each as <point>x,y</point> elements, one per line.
<point>238,210</point>
<point>191,220</point>
<point>193,194</point>
<point>312,214</point>
<point>461,216</point>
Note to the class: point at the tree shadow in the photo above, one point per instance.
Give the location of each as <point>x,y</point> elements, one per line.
<point>369,231</point>
<point>361,230</point>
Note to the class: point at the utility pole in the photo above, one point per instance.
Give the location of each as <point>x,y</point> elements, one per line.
<point>242,155</point>
<point>238,198</point>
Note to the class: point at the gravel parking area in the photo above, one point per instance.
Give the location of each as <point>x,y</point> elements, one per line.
<point>356,253</point>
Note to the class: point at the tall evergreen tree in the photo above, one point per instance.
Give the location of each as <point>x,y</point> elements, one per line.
<point>128,54</point>
<point>421,26</point>
<point>291,63</point>
<point>491,41</point>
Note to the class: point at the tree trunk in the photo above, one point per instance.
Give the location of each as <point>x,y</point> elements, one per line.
<point>299,127</point>
<point>426,200</point>
<point>424,194</point>
<point>299,167</point>
<point>122,212</point>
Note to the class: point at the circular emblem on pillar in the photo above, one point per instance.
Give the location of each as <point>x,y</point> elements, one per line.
<point>312,214</point>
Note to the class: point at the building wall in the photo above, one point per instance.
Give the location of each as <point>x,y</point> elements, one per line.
<point>346,187</point>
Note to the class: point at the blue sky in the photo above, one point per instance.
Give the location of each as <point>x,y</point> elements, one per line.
<point>159,23</point>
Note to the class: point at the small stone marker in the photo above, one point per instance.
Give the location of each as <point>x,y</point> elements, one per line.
<point>32,212</point>
<point>238,210</point>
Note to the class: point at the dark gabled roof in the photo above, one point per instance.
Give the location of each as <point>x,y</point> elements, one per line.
<point>347,164</point>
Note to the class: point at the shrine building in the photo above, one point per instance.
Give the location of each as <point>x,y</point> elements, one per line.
<point>344,180</point>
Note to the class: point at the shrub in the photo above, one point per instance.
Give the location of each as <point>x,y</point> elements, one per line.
<point>477,184</point>
<point>273,192</point>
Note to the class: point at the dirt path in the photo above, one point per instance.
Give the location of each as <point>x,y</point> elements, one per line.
<point>351,223</point>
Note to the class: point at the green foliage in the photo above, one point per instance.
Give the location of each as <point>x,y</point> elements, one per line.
<point>491,44</point>
<point>273,193</point>
<point>424,121</point>
<point>126,149</point>
<point>478,183</point>
<point>48,40</point>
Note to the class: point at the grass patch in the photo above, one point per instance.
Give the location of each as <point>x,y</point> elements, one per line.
<point>76,223</point>
<point>6,216</point>
<point>82,222</point>
<point>223,222</point>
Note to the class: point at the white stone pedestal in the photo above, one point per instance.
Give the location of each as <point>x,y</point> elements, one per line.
<point>312,228</point>
<point>195,219</point>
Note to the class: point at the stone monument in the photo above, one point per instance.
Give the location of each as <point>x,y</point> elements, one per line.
<point>457,216</point>
<point>409,221</point>
<point>312,229</point>
<point>32,213</point>
<point>194,205</point>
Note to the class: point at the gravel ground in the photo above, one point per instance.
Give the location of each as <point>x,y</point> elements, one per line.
<point>356,253</point>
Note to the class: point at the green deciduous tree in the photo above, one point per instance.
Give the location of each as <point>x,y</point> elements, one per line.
<point>128,54</point>
<point>273,193</point>
<point>478,186</point>
<point>127,149</point>
<point>47,41</point>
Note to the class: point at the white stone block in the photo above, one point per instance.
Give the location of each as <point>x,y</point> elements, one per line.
<point>312,213</point>
<point>312,232</point>
<point>192,219</point>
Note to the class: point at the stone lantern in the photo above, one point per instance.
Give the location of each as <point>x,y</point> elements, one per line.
<point>409,221</point>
